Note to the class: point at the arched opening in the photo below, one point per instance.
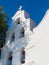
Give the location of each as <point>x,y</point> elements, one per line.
<point>22,32</point>
<point>10,58</point>
<point>22,56</point>
<point>13,37</point>
<point>18,21</point>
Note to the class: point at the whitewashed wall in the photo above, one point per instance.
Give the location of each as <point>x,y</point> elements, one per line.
<point>39,53</point>
<point>18,43</point>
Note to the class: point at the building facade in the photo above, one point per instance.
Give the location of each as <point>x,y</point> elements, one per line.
<point>17,39</point>
<point>25,43</point>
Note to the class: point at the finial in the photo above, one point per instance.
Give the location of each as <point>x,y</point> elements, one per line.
<point>20,8</point>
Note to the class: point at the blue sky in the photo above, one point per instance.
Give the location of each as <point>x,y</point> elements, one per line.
<point>36,8</point>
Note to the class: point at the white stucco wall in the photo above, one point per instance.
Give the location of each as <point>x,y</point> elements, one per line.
<point>16,45</point>
<point>36,43</point>
<point>37,51</point>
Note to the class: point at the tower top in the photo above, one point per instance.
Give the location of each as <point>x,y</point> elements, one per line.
<point>20,8</point>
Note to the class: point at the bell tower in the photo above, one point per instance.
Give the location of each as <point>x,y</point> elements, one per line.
<point>18,36</point>
<point>23,30</point>
<point>24,25</point>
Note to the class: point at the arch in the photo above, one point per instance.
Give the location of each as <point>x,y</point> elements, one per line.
<point>22,51</point>
<point>10,55</point>
<point>22,32</point>
<point>10,58</point>
<point>18,21</point>
<point>13,37</point>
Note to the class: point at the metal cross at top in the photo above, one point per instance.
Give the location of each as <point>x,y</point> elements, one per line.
<point>20,8</point>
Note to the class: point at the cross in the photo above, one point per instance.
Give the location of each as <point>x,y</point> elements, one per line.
<point>20,8</point>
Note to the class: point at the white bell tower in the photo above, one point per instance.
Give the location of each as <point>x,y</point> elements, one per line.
<point>24,25</point>
<point>18,37</point>
<point>23,30</point>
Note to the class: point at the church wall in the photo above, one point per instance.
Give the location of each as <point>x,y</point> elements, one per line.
<point>19,42</point>
<point>40,53</point>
